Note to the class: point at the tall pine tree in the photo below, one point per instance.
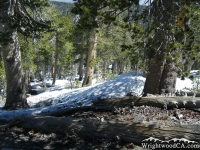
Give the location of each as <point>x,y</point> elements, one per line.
<point>24,17</point>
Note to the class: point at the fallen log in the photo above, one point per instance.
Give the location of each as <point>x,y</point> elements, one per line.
<point>56,110</point>
<point>126,131</point>
<point>197,94</point>
<point>69,111</point>
<point>161,102</point>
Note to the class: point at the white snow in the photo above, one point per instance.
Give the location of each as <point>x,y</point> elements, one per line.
<point>183,84</point>
<point>59,97</point>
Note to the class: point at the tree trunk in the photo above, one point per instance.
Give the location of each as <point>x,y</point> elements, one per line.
<point>121,67</point>
<point>15,92</point>
<point>44,75</point>
<point>153,78</point>
<point>80,69</point>
<point>114,66</point>
<point>168,80</point>
<point>75,67</point>
<point>59,72</point>
<point>55,61</point>
<point>29,77</point>
<point>162,72</point>
<point>105,66</point>
<point>90,58</point>
<point>195,66</point>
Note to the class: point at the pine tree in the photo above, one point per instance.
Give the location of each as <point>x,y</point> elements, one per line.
<point>62,35</point>
<point>18,17</point>
<point>89,21</point>
<point>172,41</point>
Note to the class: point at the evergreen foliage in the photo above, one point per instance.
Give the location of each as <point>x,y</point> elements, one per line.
<point>39,52</point>
<point>63,7</point>
<point>25,16</point>
<point>129,35</point>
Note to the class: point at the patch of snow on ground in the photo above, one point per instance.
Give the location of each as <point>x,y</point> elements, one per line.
<point>183,84</point>
<point>60,98</point>
<point>118,87</point>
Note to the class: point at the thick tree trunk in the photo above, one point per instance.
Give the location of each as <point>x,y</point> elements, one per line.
<point>15,92</point>
<point>153,78</point>
<point>162,72</point>
<point>168,80</point>
<point>90,58</point>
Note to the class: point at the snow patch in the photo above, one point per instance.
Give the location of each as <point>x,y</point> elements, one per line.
<point>60,98</point>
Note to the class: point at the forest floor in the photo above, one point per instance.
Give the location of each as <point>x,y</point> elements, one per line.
<point>17,138</point>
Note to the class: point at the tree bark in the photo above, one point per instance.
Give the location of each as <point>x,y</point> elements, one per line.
<point>115,67</point>
<point>162,71</point>
<point>90,57</point>
<point>168,79</point>
<point>44,75</point>
<point>15,89</point>
<point>126,131</point>
<point>153,78</point>
<point>55,66</point>
<point>80,68</point>
<point>15,92</point>
<point>161,102</point>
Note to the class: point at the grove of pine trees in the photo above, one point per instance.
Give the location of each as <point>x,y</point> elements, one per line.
<point>160,39</point>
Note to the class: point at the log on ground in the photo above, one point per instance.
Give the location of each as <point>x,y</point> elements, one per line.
<point>69,111</point>
<point>126,131</point>
<point>161,102</point>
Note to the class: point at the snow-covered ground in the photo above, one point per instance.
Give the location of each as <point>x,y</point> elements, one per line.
<point>60,97</point>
